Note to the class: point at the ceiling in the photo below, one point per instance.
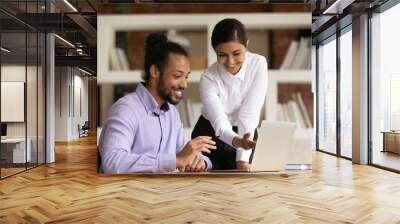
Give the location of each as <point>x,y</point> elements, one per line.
<point>72,20</point>
<point>329,15</point>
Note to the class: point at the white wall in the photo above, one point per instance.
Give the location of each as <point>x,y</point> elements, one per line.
<point>33,126</point>
<point>15,73</point>
<point>80,83</point>
<point>69,85</point>
<point>61,103</point>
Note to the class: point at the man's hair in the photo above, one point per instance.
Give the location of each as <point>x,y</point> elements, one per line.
<point>157,51</point>
<point>228,30</point>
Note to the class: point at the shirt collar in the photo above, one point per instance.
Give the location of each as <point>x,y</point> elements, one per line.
<point>241,73</point>
<point>150,104</point>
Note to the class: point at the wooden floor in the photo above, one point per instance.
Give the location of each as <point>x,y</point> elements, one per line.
<point>5,172</point>
<point>70,191</point>
<point>387,159</point>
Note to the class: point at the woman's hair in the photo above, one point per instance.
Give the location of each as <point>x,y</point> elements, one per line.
<point>228,30</point>
<point>156,53</point>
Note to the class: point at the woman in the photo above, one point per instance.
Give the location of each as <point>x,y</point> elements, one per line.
<point>232,91</point>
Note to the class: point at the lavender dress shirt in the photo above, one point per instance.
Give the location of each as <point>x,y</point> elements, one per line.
<point>139,136</point>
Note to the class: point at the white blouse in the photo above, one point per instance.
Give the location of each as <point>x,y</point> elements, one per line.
<point>235,100</point>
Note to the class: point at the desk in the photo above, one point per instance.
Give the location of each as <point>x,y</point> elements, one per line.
<point>391,141</point>
<point>13,150</point>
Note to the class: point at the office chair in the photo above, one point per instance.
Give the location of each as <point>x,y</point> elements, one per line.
<point>84,130</point>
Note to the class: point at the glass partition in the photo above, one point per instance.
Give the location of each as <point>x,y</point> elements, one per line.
<point>327,96</point>
<point>22,91</point>
<point>14,153</point>
<point>346,93</point>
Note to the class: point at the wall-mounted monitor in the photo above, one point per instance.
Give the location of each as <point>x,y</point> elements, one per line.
<point>12,101</point>
<point>3,129</point>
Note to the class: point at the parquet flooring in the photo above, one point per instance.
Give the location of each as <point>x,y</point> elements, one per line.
<point>10,171</point>
<point>70,191</point>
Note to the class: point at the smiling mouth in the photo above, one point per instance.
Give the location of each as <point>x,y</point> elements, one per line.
<point>178,93</point>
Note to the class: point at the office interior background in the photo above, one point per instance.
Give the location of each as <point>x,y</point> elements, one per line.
<point>48,82</point>
<point>57,84</point>
<point>357,82</point>
<point>72,53</point>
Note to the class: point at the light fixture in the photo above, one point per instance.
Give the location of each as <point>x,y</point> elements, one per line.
<point>65,41</point>
<point>84,71</point>
<point>5,50</point>
<point>70,5</point>
<point>337,7</point>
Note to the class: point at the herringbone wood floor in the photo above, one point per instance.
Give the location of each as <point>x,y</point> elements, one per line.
<point>70,191</point>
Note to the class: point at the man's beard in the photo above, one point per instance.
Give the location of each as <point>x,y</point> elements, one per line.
<point>164,93</point>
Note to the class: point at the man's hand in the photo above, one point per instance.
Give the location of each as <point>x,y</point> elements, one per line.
<point>192,148</point>
<point>197,165</point>
<point>242,165</point>
<point>245,142</point>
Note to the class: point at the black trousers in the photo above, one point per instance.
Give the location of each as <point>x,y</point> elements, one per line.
<point>224,157</point>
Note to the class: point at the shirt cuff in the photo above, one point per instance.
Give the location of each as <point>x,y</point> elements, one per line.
<point>167,162</point>
<point>243,154</point>
<point>208,162</point>
<point>227,136</point>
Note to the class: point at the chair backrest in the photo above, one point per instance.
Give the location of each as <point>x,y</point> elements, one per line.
<point>86,125</point>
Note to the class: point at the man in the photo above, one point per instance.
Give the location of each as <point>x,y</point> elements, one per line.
<point>143,131</point>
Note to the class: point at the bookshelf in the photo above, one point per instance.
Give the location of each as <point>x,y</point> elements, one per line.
<point>110,24</point>
<point>276,77</point>
<point>135,76</point>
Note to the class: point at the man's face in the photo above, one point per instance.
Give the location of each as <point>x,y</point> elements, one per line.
<point>173,80</point>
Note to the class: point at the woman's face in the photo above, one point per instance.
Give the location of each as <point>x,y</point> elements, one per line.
<point>231,55</point>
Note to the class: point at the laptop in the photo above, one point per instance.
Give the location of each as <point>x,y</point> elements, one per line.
<point>270,155</point>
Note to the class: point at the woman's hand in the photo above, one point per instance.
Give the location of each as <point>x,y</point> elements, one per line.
<point>242,165</point>
<point>245,142</point>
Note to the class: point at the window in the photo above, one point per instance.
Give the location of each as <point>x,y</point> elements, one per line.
<point>327,96</point>
<point>346,93</point>
<point>385,88</point>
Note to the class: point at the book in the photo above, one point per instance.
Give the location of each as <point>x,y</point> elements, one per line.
<point>300,59</point>
<point>303,110</point>
<point>289,57</point>
<point>279,112</point>
<point>297,114</point>
<point>114,61</point>
<point>122,59</point>
<point>290,111</point>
